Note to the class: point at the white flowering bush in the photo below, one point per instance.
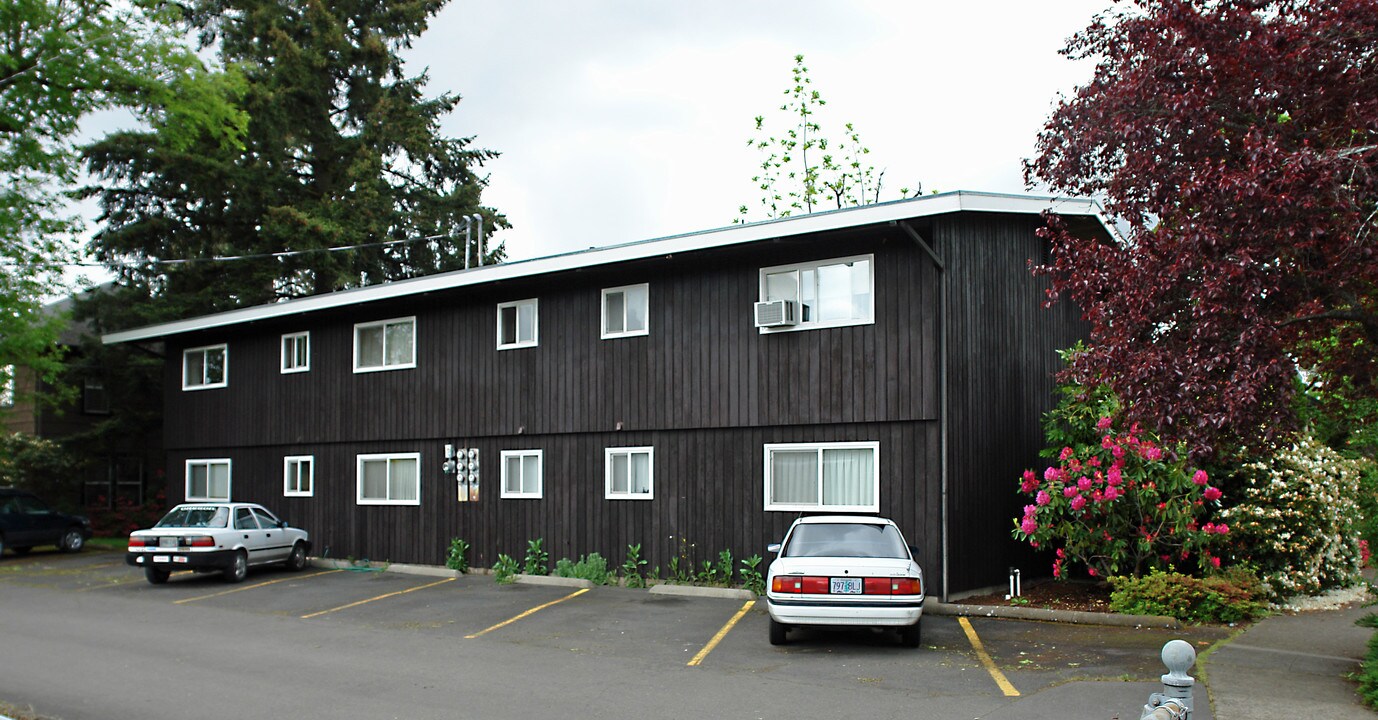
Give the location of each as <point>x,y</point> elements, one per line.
<point>1297,521</point>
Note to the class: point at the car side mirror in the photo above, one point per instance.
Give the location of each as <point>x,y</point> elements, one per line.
<point>773,548</point>
<point>282,524</point>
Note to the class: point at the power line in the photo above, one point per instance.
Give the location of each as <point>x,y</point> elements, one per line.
<point>222,258</point>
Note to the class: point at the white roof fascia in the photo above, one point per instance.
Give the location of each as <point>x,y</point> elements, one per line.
<point>722,237</point>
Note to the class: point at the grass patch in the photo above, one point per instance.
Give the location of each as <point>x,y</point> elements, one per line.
<point>108,543</point>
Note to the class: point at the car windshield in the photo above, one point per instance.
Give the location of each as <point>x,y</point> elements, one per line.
<point>856,540</point>
<point>196,517</point>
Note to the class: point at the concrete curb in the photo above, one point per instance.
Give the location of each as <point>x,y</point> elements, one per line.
<point>553,580</point>
<point>1076,617</point>
<point>703,592</point>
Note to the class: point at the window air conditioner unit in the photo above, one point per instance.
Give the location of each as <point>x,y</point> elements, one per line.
<point>777,313</point>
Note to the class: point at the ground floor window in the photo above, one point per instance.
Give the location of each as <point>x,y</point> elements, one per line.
<point>298,473</point>
<point>823,476</point>
<point>390,479</point>
<point>521,474</point>
<point>629,473</point>
<point>208,479</point>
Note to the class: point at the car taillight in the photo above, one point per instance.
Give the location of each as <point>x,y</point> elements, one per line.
<point>201,541</point>
<point>786,584</point>
<point>816,585</point>
<point>135,542</point>
<point>906,586</point>
<point>878,586</point>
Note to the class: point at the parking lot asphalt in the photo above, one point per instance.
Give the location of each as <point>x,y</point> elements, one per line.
<point>86,637</point>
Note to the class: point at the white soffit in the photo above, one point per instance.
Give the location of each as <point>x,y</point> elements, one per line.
<point>722,237</point>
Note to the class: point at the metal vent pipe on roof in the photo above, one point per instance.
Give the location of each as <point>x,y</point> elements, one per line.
<point>478,220</point>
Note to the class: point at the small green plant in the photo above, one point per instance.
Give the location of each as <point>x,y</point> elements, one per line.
<point>705,574</point>
<point>631,567</point>
<point>751,576</point>
<point>1231,596</point>
<point>682,564</point>
<point>1368,671</point>
<point>592,567</point>
<point>458,558</point>
<point>505,569</point>
<point>536,558</point>
<point>722,571</point>
<point>1019,600</point>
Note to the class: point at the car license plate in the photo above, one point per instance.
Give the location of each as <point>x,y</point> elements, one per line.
<point>159,558</point>
<point>167,542</point>
<point>845,586</point>
<point>179,558</point>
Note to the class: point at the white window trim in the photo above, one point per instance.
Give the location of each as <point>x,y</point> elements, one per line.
<point>535,304</point>
<point>229,479</point>
<point>224,382</point>
<point>385,367</point>
<point>359,478</point>
<point>871,309</point>
<point>608,453</point>
<point>283,350</point>
<point>820,447</point>
<point>288,475</point>
<point>603,312</point>
<point>540,474</point>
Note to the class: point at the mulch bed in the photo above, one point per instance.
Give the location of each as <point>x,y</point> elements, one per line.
<point>1053,595</point>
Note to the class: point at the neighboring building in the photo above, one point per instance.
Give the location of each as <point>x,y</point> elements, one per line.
<point>26,407</point>
<point>690,394</point>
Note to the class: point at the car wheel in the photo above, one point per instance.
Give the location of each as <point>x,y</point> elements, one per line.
<point>297,560</point>
<point>154,576</point>
<point>238,569</point>
<point>778,632</point>
<point>911,636</point>
<point>71,541</point>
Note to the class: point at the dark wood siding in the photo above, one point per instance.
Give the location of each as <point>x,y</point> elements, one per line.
<point>704,387</point>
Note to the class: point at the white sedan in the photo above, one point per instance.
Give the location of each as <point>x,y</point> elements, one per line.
<point>210,537</point>
<point>845,570</point>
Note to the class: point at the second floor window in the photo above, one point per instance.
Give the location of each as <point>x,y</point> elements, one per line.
<point>827,293</point>
<point>296,352</point>
<point>517,324</point>
<point>205,367</point>
<point>625,311</point>
<point>385,345</point>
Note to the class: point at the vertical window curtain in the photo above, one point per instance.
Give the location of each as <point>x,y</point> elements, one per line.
<point>194,369</point>
<point>640,481</point>
<point>512,474</point>
<point>794,477</point>
<point>848,477</point>
<point>196,482</point>
<point>375,480</point>
<point>614,312</point>
<point>526,323</point>
<point>402,479</point>
<point>508,319</point>
<point>620,472</point>
<point>399,343</point>
<point>303,345</point>
<point>636,309</point>
<point>861,289</point>
<point>218,485</point>
<point>834,292</point>
<point>530,474</point>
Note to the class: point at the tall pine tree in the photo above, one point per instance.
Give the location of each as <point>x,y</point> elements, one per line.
<point>342,149</point>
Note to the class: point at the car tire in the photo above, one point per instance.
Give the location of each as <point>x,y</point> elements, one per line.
<point>296,560</point>
<point>238,568</point>
<point>154,576</point>
<point>778,631</point>
<point>71,541</point>
<point>911,636</point>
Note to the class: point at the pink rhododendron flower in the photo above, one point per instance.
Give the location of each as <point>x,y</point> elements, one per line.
<point>1069,491</point>
<point>1103,423</point>
<point>1091,572</point>
<point>1118,452</point>
<point>1043,498</point>
<point>1052,474</point>
<point>1083,483</point>
<point>1028,483</point>
<point>1057,569</point>
<point>1200,477</point>
<point>1061,553</point>
<point>1066,453</point>
<point>1115,476</point>
<point>1223,529</point>
<point>1215,561</point>
<point>1030,509</point>
<point>1029,525</point>
<point>1078,502</point>
<point>1153,453</point>
<point>1111,493</point>
<point>1208,528</point>
<point>1212,493</point>
<point>1094,461</point>
<point>1107,442</point>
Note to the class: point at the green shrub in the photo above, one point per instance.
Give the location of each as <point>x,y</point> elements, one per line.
<point>505,569</point>
<point>751,576</point>
<point>1297,520</point>
<point>458,557</point>
<point>1230,596</point>
<point>536,558</point>
<point>591,567</point>
<point>631,567</point>
<point>40,466</point>
<point>1368,672</point>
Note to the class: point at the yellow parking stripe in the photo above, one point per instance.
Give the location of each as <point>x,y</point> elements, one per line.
<point>380,597</point>
<point>980,649</point>
<point>251,587</point>
<point>721,634</point>
<point>530,612</point>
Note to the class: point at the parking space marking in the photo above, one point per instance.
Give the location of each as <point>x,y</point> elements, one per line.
<point>528,613</point>
<point>981,653</point>
<point>251,587</point>
<point>721,634</point>
<point>380,597</point>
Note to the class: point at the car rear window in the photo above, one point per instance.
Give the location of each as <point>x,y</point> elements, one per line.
<point>196,517</point>
<point>845,540</point>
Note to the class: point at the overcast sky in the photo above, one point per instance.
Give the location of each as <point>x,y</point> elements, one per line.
<point>624,120</point>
